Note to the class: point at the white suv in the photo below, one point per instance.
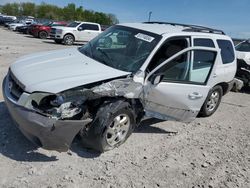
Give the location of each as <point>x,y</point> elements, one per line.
<point>101,91</point>
<point>75,32</point>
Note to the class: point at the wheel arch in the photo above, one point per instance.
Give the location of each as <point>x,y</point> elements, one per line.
<point>136,105</point>
<point>69,34</point>
<point>224,86</point>
<point>41,32</point>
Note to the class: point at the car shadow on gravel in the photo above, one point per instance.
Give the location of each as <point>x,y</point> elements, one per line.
<point>245,90</point>
<point>146,126</point>
<point>14,145</point>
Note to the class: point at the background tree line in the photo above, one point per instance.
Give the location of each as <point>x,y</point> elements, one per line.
<point>67,13</point>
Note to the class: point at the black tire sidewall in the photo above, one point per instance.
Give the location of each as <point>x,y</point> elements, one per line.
<point>204,112</point>
<point>64,39</point>
<point>41,33</point>
<point>95,137</point>
<point>104,143</point>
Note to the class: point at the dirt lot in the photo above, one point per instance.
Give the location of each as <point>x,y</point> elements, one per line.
<point>209,152</point>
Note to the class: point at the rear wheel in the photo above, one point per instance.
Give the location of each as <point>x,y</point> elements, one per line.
<point>68,39</point>
<point>113,124</point>
<point>42,34</point>
<point>212,102</point>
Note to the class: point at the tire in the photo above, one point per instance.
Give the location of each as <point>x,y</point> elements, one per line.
<point>68,39</point>
<point>58,41</point>
<point>42,35</point>
<point>103,133</point>
<point>212,102</point>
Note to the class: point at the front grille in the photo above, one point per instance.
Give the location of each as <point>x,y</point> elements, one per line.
<point>15,86</point>
<point>53,31</point>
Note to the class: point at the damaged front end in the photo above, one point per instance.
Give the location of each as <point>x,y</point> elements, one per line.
<point>53,120</point>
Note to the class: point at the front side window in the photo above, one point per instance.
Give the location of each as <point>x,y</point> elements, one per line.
<point>167,50</point>
<point>120,47</point>
<point>243,47</point>
<point>184,70</point>
<point>227,51</point>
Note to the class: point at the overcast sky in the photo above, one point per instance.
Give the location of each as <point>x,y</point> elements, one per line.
<point>229,15</point>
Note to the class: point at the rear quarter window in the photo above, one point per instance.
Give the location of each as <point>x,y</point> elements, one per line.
<point>204,42</point>
<point>227,51</point>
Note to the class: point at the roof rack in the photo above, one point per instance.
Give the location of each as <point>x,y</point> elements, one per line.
<point>193,28</point>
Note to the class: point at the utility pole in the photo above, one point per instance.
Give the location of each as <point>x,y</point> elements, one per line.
<point>149,16</point>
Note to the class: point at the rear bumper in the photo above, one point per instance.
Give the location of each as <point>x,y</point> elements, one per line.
<point>46,132</point>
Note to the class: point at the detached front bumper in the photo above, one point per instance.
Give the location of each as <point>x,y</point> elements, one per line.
<point>46,132</point>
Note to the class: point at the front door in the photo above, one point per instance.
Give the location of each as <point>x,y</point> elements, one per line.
<point>183,88</point>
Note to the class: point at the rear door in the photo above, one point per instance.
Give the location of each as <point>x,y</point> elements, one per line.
<point>183,89</point>
<point>87,31</point>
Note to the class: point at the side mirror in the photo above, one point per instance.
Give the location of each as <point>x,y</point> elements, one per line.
<point>80,29</point>
<point>156,79</point>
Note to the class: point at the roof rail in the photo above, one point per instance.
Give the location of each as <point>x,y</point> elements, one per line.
<point>193,28</point>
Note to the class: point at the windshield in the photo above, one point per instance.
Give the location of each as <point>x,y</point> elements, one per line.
<point>73,24</point>
<point>243,47</point>
<point>121,47</point>
<point>47,23</point>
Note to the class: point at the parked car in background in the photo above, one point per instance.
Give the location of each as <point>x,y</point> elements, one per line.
<point>42,30</point>
<point>13,26</point>
<point>75,32</point>
<point>163,70</point>
<point>243,62</point>
<point>23,29</point>
<point>4,19</point>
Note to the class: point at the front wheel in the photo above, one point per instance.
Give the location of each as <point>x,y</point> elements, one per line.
<point>42,34</point>
<point>68,39</point>
<point>113,124</point>
<point>212,102</point>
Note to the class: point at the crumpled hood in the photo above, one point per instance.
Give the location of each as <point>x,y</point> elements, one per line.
<point>59,70</point>
<point>244,56</point>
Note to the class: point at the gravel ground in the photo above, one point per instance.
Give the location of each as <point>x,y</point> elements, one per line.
<point>209,152</point>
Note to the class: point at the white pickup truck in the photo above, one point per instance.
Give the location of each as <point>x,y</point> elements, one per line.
<point>75,32</point>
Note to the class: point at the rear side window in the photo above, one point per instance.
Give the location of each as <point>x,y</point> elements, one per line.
<point>90,27</point>
<point>227,51</point>
<point>204,42</point>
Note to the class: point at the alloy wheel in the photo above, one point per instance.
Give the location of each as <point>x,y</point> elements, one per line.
<point>118,129</point>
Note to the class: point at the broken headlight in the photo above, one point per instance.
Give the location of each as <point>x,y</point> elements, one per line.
<point>57,106</point>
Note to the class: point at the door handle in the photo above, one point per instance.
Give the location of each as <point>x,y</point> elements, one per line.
<point>195,95</point>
